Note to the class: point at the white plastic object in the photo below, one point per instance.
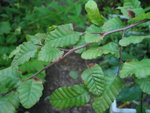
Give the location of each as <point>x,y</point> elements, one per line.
<point>114,109</point>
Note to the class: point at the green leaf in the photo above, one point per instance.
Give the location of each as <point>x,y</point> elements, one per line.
<point>141,69</point>
<point>4,27</point>
<point>90,37</point>
<point>5,49</point>
<point>6,106</point>
<point>49,53</point>
<point>11,39</point>
<point>93,28</point>
<point>9,78</point>
<point>133,5</point>
<point>13,99</point>
<point>15,51</point>
<point>140,17</point>
<point>132,40</point>
<point>129,94</point>
<point>112,87</point>
<point>26,51</point>
<point>65,97</point>
<point>30,92</point>
<point>37,38</point>
<point>74,75</point>
<point>92,53</point>
<point>112,24</point>
<point>62,36</point>
<point>9,103</point>
<point>96,52</point>
<point>80,43</point>
<point>94,79</point>
<point>138,108</point>
<point>51,28</point>
<point>144,84</point>
<point>93,13</point>
<point>32,66</point>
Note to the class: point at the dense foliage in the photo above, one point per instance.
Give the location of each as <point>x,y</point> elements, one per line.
<point>121,41</point>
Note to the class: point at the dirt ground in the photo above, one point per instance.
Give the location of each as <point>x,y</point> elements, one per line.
<point>57,76</point>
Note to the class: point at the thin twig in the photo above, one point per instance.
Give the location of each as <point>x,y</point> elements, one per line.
<point>122,29</point>
<point>120,55</point>
<point>5,93</point>
<point>59,59</point>
<point>141,103</point>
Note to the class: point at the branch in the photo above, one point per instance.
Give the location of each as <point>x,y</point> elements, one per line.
<point>122,29</point>
<point>74,49</point>
<point>59,59</point>
<point>5,93</point>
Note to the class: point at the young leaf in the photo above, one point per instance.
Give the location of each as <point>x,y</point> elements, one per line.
<point>62,36</point>
<point>65,97</point>
<point>26,51</point>
<point>96,52</point>
<point>144,84</point>
<point>112,87</point>
<point>49,53</point>
<point>30,92</point>
<point>93,13</point>
<point>112,24</point>
<point>141,69</point>
<point>94,79</point>
<point>132,40</point>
